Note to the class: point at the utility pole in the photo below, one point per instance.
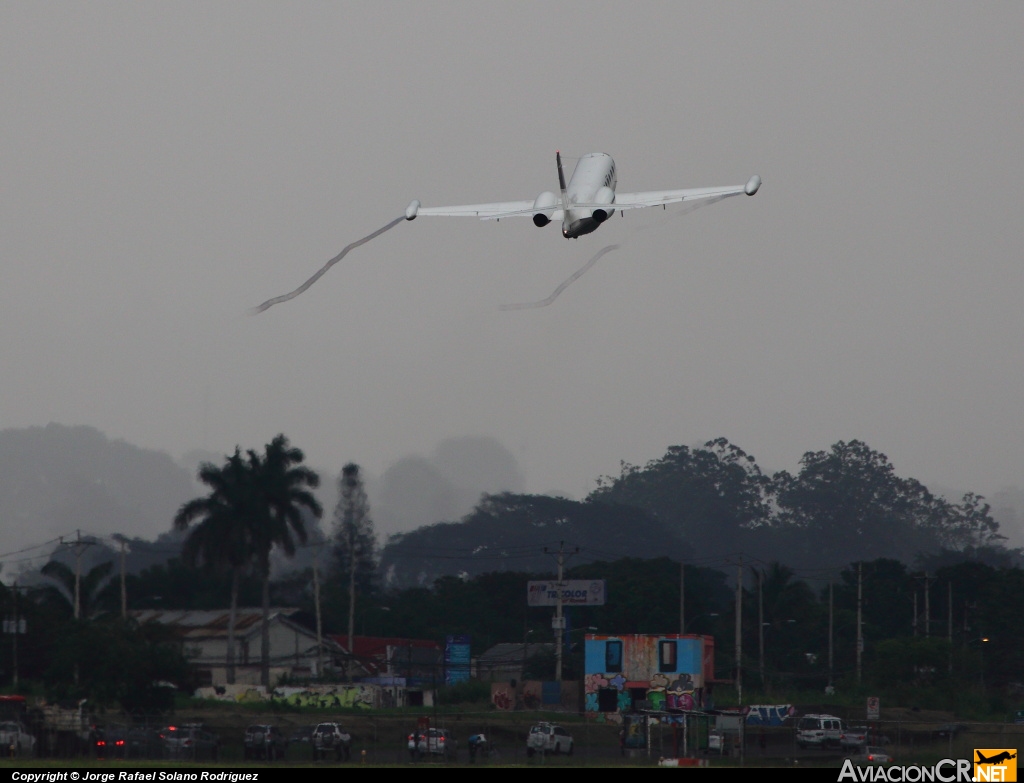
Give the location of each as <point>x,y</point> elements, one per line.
<point>558,624</point>
<point>124,590</point>
<point>760,620</point>
<point>15,628</point>
<point>927,608</point>
<point>351,596</point>
<point>830,634</point>
<point>319,624</point>
<point>739,632</point>
<point>949,610</point>
<point>682,596</point>
<point>967,607</point>
<point>927,605</point>
<point>80,548</point>
<point>860,618</point>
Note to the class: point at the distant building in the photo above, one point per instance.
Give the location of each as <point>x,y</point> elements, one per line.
<point>505,662</point>
<point>407,670</point>
<point>668,672</point>
<point>293,646</point>
<point>389,656</point>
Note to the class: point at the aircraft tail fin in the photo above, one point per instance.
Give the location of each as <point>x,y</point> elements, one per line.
<point>561,183</point>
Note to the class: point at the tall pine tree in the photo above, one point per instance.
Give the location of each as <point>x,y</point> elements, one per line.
<point>355,543</point>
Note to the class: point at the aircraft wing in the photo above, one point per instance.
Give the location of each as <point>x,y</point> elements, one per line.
<point>493,211</point>
<point>649,198</point>
<point>657,198</point>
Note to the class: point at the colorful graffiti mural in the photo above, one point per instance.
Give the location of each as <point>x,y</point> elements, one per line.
<point>503,696</point>
<point>665,672</point>
<point>345,696</point>
<point>357,696</point>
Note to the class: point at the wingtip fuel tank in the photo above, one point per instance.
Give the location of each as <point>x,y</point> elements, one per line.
<point>412,209</point>
<point>752,185</point>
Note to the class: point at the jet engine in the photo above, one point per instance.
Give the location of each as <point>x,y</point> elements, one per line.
<point>604,196</point>
<point>543,208</point>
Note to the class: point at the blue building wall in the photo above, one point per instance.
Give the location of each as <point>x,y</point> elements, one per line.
<point>668,671</point>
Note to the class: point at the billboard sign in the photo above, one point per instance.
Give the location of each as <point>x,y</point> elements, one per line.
<point>456,659</point>
<point>574,592</point>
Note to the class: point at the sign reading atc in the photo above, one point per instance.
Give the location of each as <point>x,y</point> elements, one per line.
<point>574,592</point>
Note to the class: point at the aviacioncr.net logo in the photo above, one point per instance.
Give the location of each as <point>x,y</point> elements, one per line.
<point>946,771</point>
<point>999,764</point>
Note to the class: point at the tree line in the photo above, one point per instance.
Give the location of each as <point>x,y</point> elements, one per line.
<point>703,506</point>
<point>709,503</point>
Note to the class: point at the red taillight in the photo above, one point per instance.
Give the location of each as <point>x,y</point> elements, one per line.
<point>119,742</point>
<point>100,743</point>
<point>871,758</point>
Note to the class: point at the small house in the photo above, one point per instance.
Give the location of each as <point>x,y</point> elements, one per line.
<point>667,672</point>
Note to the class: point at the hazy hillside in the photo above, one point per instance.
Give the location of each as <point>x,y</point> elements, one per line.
<point>57,479</point>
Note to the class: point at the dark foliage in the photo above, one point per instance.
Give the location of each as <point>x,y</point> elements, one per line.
<point>507,532</point>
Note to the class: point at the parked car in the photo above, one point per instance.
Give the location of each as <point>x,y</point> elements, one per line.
<point>872,754</point>
<point>331,738</point>
<point>854,738</point>
<point>263,741</point>
<point>15,738</point>
<point>819,731</point>
<point>190,741</point>
<point>109,742</point>
<point>144,743</point>
<point>548,738</point>
<point>716,742</point>
<point>433,742</point>
<point>876,737</point>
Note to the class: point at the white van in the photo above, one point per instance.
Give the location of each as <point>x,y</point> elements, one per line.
<point>819,731</point>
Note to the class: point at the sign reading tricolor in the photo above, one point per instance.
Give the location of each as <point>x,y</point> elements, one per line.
<point>573,592</point>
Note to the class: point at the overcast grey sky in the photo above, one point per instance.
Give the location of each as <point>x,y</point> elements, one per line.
<point>166,166</point>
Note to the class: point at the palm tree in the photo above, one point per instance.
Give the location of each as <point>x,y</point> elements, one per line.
<point>83,593</point>
<point>223,537</point>
<point>282,485</point>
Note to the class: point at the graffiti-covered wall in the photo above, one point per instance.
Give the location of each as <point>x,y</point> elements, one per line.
<point>357,696</point>
<point>668,672</point>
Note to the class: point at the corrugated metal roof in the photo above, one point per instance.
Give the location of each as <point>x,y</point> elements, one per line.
<point>210,623</point>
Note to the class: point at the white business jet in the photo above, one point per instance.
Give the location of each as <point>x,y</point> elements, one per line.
<point>586,202</point>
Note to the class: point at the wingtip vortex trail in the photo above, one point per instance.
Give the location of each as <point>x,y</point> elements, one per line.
<point>351,246</point>
<point>602,252</point>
